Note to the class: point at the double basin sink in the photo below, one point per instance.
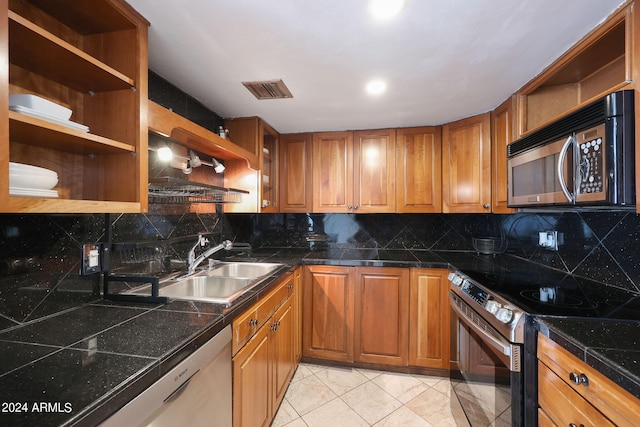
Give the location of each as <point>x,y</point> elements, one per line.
<point>222,283</point>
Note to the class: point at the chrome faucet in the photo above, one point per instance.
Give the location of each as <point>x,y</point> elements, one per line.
<point>194,262</point>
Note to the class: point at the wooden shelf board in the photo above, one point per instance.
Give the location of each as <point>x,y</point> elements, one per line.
<point>44,205</point>
<point>32,131</point>
<point>93,17</point>
<point>35,49</point>
<point>193,136</point>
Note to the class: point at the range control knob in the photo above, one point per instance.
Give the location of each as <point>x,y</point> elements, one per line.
<point>504,315</point>
<point>456,280</point>
<point>492,306</point>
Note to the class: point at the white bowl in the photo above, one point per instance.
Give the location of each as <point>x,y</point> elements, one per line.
<point>40,105</point>
<point>37,182</point>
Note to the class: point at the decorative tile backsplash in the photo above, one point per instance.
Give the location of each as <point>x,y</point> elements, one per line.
<point>40,254</point>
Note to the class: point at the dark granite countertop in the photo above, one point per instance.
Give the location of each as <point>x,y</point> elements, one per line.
<point>87,362</point>
<point>612,347</point>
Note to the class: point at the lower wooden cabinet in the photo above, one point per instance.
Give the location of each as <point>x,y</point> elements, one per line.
<point>327,313</point>
<point>429,318</point>
<point>377,315</point>
<point>570,392</point>
<point>381,333</point>
<point>263,367</point>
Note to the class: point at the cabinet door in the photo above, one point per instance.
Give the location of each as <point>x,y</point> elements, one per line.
<point>295,173</point>
<point>466,165</point>
<point>328,301</point>
<point>332,172</point>
<point>374,165</point>
<point>419,170</point>
<point>283,363</point>
<point>297,306</point>
<point>252,382</point>
<point>502,134</point>
<point>382,321</point>
<point>429,318</point>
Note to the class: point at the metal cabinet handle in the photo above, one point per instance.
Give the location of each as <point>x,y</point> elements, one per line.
<point>575,425</point>
<point>486,206</point>
<point>253,322</point>
<point>355,207</point>
<point>578,379</point>
<point>349,206</point>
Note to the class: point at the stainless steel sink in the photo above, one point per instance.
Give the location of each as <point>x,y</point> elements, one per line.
<point>222,284</point>
<point>249,270</point>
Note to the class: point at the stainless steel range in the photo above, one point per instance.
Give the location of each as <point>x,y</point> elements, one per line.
<point>493,370</point>
<point>486,373</point>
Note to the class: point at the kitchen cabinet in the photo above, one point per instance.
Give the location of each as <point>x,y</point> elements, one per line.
<point>354,172</point>
<point>376,315</point>
<point>466,165</point>
<point>264,356</point>
<point>328,299</point>
<point>295,173</point>
<point>93,61</point>
<point>604,61</point>
<point>429,323</point>
<point>297,315</point>
<point>502,134</point>
<point>570,392</point>
<point>419,170</point>
<point>256,136</point>
<point>381,316</point>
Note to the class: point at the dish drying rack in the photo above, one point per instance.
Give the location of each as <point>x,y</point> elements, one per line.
<point>169,190</point>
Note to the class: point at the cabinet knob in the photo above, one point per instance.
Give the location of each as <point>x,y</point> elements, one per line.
<point>349,206</point>
<point>578,379</point>
<point>355,207</point>
<point>486,206</point>
<point>575,425</point>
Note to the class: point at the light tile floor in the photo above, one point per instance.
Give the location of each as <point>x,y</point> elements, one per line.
<point>321,396</point>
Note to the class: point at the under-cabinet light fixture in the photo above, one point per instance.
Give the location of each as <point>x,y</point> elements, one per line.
<point>164,153</point>
<point>217,166</point>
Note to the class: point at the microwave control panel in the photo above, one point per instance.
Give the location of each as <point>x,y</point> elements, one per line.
<point>591,152</point>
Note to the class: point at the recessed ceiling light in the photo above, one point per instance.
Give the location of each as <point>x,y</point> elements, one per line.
<point>385,9</point>
<point>376,87</point>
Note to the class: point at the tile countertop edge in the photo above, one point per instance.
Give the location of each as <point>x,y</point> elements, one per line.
<point>605,359</point>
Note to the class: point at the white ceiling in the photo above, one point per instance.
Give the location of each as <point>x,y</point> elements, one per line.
<point>442,59</point>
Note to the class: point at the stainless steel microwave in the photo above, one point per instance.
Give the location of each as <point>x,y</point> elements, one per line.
<point>584,159</point>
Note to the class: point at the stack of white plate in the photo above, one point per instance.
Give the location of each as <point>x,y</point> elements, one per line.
<point>31,181</point>
<point>40,108</point>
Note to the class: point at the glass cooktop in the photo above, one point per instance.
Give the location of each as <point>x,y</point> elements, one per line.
<point>542,291</point>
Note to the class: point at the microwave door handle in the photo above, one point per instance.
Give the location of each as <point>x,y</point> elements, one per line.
<point>561,160</point>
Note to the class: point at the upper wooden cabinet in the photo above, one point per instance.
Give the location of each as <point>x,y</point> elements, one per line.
<point>256,136</point>
<point>604,61</point>
<point>354,172</point>
<point>93,61</point>
<point>466,165</point>
<point>295,173</point>
<point>502,134</point>
<point>419,170</point>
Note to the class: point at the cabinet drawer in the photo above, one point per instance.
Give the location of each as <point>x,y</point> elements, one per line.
<point>544,420</point>
<point>275,299</point>
<point>563,404</point>
<point>243,328</point>
<point>247,324</point>
<point>616,403</point>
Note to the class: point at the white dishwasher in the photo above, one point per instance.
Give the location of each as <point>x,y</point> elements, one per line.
<point>197,392</point>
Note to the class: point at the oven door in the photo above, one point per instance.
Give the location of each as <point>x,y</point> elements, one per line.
<point>486,382</point>
<point>543,175</point>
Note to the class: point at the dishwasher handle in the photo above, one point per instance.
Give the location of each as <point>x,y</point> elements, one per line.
<point>182,387</point>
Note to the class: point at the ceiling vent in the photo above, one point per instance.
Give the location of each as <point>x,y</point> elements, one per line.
<point>268,89</point>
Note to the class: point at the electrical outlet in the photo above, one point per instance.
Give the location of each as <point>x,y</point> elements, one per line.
<point>91,259</point>
<point>548,240</point>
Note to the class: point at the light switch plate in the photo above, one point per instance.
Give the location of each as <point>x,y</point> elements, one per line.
<point>91,258</point>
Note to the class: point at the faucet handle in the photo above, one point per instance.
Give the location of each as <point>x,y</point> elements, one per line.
<point>227,244</point>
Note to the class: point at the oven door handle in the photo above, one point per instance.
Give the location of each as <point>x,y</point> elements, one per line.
<point>561,162</point>
<point>505,348</point>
